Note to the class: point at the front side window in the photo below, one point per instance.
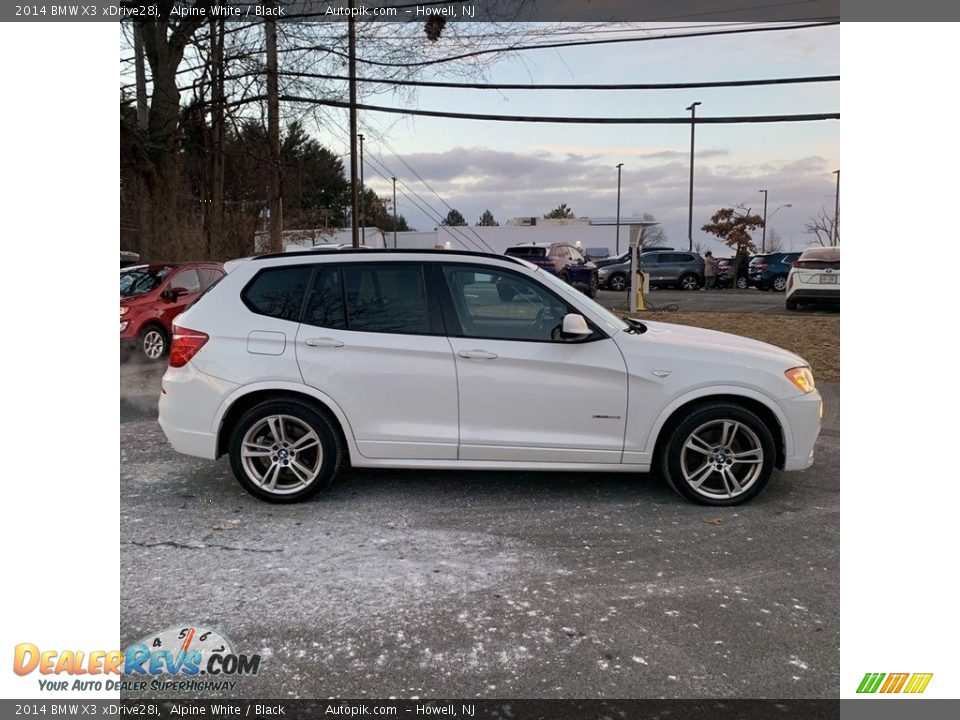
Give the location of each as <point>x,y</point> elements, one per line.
<point>387,298</point>
<point>501,305</point>
<point>278,292</point>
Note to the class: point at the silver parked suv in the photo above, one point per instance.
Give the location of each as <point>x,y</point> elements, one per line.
<point>667,268</point>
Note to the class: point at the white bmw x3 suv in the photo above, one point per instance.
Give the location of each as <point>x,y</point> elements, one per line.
<point>295,364</point>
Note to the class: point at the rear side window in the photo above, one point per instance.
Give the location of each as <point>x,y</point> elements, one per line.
<point>386,298</point>
<point>210,276</point>
<point>278,293</point>
<point>186,280</point>
<point>325,306</point>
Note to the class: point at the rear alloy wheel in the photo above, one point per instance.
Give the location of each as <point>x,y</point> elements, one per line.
<point>689,282</point>
<point>153,344</point>
<point>283,451</point>
<point>618,282</point>
<point>742,283</point>
<point>780,283</point>
<point>722,454</point>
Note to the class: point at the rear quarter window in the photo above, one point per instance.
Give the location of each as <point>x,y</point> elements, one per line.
<point>277,292</point>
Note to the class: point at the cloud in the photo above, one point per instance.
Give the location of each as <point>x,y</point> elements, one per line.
<point>514,184</point>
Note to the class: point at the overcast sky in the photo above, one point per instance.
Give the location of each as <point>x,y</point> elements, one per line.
<point>527,169</point>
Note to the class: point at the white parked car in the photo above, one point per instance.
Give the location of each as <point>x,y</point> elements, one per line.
<point>814,278</point>
<point>295,364</point>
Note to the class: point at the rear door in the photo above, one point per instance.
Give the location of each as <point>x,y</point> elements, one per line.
<point>372,339</point>
<point>526,394</point>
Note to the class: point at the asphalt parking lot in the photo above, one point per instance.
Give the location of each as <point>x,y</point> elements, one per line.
<point>476,584</point>
<point>730,300</point>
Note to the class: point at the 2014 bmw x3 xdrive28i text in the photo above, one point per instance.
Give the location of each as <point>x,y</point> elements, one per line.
<point>296,364</point>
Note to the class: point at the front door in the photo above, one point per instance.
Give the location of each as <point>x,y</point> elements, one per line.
<point>525,393</point>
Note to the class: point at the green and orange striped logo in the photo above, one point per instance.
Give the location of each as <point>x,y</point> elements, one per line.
<point>894,682</point>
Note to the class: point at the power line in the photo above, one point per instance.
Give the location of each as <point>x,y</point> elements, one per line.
<point>563,86</point>
<point>728,120</point>
<point>578,43</point>
<point>432,213</point>
<point>427,185</point>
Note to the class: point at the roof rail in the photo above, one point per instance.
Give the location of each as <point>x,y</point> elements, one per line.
<point>385,251</point>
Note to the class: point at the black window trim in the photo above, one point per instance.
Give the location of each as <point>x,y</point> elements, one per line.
<point>455,330</point>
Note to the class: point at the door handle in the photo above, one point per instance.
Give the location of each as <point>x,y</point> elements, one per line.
<point>478,354</point>
<point>323,342</point>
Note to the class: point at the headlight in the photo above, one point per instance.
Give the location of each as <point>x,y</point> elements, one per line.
<point>802,378</point>
<point>603,271</point>
<point>124,310</point>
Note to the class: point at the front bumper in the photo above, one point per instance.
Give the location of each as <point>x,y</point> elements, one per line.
<point>803,415</point>
<point>189,402</point>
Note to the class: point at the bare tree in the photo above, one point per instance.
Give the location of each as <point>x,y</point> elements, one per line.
<point>655,236</point>
<point>820,226</point>
<point>224,70</point>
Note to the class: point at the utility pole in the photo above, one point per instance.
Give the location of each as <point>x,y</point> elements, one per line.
<point>394,213</point>
<point>693,125</point>
<point>619,169</point>
<point>143,117</point>
<point>217,163</point>
<point>363,197</point>
<point>836,213</point>
<point>763,242</point>
<point>352,52</point>
<point>273,131</point>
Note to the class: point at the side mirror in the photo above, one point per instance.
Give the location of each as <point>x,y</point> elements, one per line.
<point>173,294</point>
<point>575,327</point>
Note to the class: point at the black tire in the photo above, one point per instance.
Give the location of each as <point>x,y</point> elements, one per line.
<point>317,420</point>
<point>742,284</point>
<point>670,456</point>
<point>689,282</point>
<point>153,344</point>
<point>792,304</point>
<point>779,283</point>
<point>618,282</point>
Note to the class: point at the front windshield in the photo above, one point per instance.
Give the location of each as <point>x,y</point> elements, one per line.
<point>612,320</point>
<point>137,281</point>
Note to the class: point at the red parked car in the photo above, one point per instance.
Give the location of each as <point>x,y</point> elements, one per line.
<point>151,296</point>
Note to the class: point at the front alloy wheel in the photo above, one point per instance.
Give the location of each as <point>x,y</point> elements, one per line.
<point>618,282</point>
<point>742,283</point>
<point>689,282</point>
<point>721,454</point>
<point>284,451</point>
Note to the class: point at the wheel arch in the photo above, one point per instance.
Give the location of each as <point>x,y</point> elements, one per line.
<point>758,404</point>
<point>241,400</point>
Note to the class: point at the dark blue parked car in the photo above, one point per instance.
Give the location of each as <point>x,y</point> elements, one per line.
<point>564,261</point>
<point>770,271</point>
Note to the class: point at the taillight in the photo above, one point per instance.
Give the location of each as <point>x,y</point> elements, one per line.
<point>761,267</point>
<point>185,344</point>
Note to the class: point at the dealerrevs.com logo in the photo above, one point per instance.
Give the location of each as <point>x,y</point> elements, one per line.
<point>910,683</point>
<point>171,660</point>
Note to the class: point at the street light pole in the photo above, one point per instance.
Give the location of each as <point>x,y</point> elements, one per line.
<point>363,198</point>
<point>763,242</point>
<point>394,213</point>
<point>693,123</point>
<point>836,212</point>
<point>619,168</point>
